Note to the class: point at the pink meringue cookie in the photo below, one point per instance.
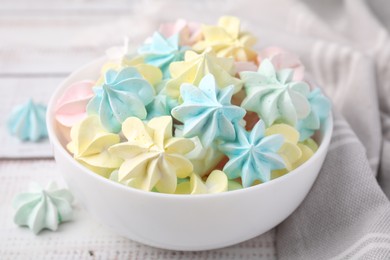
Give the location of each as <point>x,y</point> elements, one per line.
<point>282,59</point>
<point>71,107</point>
<point>189,32</point>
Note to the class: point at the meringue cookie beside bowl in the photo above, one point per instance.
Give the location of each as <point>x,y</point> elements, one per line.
<point>27,122</point>
<point>41,208</point>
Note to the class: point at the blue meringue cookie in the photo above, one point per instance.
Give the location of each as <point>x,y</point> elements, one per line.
<point>274,96</point>
<point>207,111</point>
<point>252,155</point>
<point>43,208</point>
<point>162,103</point>
<point>320,108</point>
<point>123,94</point>
<point>27,122</point>
<point>161,52</point>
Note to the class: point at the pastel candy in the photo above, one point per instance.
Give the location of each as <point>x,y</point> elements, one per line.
<point>320,108</point>
<point>41,208</point>
<point>206,111</point>
<point>152,156</point>
<point>71,107</point>
<point>28,122</point>
<point>290,151</point>
<point>252,156</point>
<point>226,40</point>
<point>189,32</point>
<point>161,52</point>
<point>274,96</point>
<point>89,144</point>
<point>216,182</point>
<point>281,59</point>
<point>123,94</point>
<point>196,66</point>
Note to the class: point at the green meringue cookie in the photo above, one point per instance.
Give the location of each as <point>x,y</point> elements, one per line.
<point>43,208</point>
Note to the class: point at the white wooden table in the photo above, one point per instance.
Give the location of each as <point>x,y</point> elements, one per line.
<point>41,42</point>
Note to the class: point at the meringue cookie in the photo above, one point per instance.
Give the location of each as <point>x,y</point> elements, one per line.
<point>203,158</point>
<point>253,155</point>
<point>196,66</point>
<point>274,96</point>
<point>161,52</point>
<point>152,156</point>
<point>226,40</point>
<point>206,111</point>
<point>89,146</point>
<point>71,107</point>
<point>216,182</point>
<point>281,59</point>
<point>189,32</point>
<point>43,208</point>
<point>28,122</point>
<point>123,94</point>
<point>290,151</point>
<point>320,108</point>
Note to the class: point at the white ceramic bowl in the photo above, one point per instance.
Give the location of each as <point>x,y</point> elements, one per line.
<point>183,222</point>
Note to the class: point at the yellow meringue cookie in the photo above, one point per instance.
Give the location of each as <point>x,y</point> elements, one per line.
<point>290,150</point>
<point>216,182</point>
<point>226,40</point>
<point>196,66</point>
<point>152,155</point>
<point>89,146</point>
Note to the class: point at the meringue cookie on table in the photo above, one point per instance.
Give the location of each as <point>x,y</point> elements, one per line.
<point>71,106</point>
<point>207,111</point>
<point>196,66</point>
<point>227,40</point>
<point>123,94</point>
<point>41,208</point>
<point>28,122</point>
<point>252,155</point>
<point>152,156</point>
<point>274,96</point>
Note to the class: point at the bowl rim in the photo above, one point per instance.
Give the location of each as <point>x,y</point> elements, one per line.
<point>50,122</point>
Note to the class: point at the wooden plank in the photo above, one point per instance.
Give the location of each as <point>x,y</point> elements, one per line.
<point>63,43</point>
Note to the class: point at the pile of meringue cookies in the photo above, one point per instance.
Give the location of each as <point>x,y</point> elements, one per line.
<point>196,110</point>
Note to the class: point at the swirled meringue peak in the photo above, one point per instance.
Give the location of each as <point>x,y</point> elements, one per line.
<point>189,32</point>
<point>89,146</point>
<point>27,122</point>
<point>283,59</point>
<point>196,66</point>
<point>123,94</point>
<point>216,182</point>
<point>274,96</point>
<point>320,108</point>
<point>41,208</point>
<point>227,40</point>
<point>152,156</point>
<point>252,155</point>
<point>207,112</point>
<point>71,107</point>
<point>161,52</point>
